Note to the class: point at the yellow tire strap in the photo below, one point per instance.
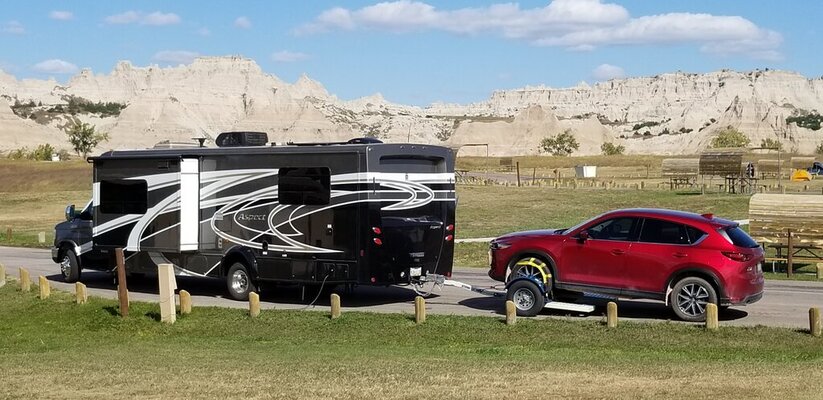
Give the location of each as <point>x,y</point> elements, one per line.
<point>533,262</point>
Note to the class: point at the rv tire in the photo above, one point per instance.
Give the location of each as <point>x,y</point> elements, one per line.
<point>69,266</point>
<point>239,282</point>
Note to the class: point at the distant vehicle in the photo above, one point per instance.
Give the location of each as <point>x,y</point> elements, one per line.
<point>816,168</point>
<point>253,214</point>
<point>683,259</point>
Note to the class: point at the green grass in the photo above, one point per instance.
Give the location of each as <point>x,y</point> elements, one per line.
<point>56,349</point>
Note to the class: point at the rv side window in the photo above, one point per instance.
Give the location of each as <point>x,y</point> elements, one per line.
<point>123,196</point>
<point>304,186</point>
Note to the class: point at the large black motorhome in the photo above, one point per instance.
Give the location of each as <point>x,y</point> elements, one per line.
<point>360,212</point>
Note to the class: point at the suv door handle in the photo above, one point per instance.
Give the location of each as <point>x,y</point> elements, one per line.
<point>618,252</point>
<point>680,255</point>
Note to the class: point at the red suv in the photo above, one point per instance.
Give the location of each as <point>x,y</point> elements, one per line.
<point>684,259</point>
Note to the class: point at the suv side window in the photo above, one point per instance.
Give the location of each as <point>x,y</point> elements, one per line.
<point>622,228</point>
<point>665,232</point>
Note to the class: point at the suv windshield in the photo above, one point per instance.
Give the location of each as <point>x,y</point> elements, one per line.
<point>738,237</point>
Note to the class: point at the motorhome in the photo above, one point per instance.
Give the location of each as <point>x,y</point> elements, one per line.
<point>254,213</point>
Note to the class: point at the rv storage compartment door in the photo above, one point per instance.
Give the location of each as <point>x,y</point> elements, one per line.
<point>189,204</point>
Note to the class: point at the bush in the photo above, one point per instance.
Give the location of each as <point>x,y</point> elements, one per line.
<point>809,121</point>
<point>84,138</point>
<point>819,149</point>
<point>730,137</point>
<point>609,149</point>
<point>563,144</point>
<point>43,152</point>
<point>771,144</point>
<point>642,125</point>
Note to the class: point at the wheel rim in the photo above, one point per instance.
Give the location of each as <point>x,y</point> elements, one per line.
<point>692,299</point>
<point>239,281</point>
<point>523,299</point>
<point>530,268</point>
<point>65,266</point>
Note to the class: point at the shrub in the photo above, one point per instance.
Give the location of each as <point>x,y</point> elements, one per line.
<point>563,144</point>
<point>43,152</point>
<point>84,138</point>
<point>819,149</point>
<point>809,121</point>
<point>610,149</point>
<point>771,144</point>
<point>730,137</point>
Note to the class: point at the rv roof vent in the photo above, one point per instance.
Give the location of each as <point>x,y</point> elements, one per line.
<point>364,140</point>
<point>168,144</point>
<point>236,139</point>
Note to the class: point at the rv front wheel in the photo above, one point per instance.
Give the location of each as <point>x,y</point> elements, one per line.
<point>239,283</point>
<point>69,267</point>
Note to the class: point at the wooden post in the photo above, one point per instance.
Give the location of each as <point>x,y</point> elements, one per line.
<point>790,254</point>
<point>711,317</point>
<point>8,234</point>
<point>80,296</point>
<point>41,237</point>
<point>185,302</point>
<point>518,173</point>
<point>819,271</point>
<point>122,289</point>
<point>642,185</point>
<point>254,305</point>
<point>166,284</point>
<point>814,321</point>
<point>419,310</point>
<point>2,275</point>
<point>25,281</point>
<point>45,289</point>
<point>611,314</point>
<point>511,313</point>
<point>335,306</point>
<point>534,175</point>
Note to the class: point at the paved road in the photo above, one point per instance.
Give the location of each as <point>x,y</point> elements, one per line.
<point>786,303</point>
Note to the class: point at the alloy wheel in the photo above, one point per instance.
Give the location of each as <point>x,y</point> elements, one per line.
<point>692,299</point>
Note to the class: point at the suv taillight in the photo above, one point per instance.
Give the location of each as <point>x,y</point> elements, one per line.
<point>736,256</point>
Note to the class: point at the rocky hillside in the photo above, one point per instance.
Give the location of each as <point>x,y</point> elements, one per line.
<point>668,114</point>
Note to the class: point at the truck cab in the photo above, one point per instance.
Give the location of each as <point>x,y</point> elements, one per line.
<point>73,248</point>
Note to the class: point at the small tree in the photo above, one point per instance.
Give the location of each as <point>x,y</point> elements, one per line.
<point>770,143</point>
<point>819,149</point>
<point>730,137</point>
<point>609,149</point>
<point>84,138</point>
<point>563,144</point>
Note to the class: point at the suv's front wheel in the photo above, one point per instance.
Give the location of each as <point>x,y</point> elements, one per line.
<point>689,298</point>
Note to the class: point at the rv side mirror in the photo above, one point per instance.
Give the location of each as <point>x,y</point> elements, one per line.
<point>70,212</point>
<point>583,236</point>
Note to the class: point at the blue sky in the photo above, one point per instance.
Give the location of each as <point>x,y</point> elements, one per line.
<point>417,52</point>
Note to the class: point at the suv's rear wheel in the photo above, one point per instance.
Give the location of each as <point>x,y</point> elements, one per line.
<point>239,282</point>
<point>69,266</point>
<point>689,298</point>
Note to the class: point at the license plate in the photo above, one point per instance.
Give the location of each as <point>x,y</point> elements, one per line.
<point>415,271</point>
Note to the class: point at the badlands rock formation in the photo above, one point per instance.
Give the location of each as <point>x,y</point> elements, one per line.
<point>678,113</point>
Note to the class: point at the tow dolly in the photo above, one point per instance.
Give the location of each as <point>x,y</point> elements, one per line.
<point>529,294</point>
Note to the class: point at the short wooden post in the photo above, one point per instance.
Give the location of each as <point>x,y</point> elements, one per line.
<point>185,302</point>
<point>712,323</point>
<point>80,296</point>
<point>642,185</point>
<point>335,306</point>
<point>511,313</point>
<point>814,321</point>
<point>25,280</point>
<point>534,175</point>
<point>122,289</point>
<point>8,234</point>
<point>2,275</point>
<point>419,310</point>
<point>518,173</point>
<point>167,283</point>
<point>254,305</point>
<point>611,314</point>
<point>45,289</point>
<point>819,271</point>
<point>41,237</point>
<point>790,254</point>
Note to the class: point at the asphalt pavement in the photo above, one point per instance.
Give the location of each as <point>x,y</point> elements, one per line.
<point>785,303</point>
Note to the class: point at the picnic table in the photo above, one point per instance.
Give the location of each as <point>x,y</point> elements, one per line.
<point>800,252</point>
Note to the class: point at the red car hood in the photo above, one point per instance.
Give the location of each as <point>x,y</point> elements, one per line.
<point>539,232</point>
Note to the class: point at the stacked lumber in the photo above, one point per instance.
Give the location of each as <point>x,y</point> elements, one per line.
<point>770,215</point>
<point>680,167</point>
<point>722,162</point>
<point>802,162</point>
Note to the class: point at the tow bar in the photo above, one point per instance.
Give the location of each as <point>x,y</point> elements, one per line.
<point>440,281</point>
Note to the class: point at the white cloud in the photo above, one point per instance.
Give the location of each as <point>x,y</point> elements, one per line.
<point>61,15</point>
<point>14,28</point>
<point>578,25</point>
<point>175,57</point>
<point>156,18</point>
<point>286,56</point>
<point>204,32</point>
<point>242,22</point>
<point>55,66</point>
<point>604,72</point>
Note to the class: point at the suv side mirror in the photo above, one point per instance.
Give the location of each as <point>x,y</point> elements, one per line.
<point>583,236</point>
<point>70,212</point>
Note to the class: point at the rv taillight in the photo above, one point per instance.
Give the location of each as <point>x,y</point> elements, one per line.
<point>448,274</point>
<point>449,227</point>
<point>378,242</point>
<point>376,230</point>
<point>449,238</point>
<point>373,279</point>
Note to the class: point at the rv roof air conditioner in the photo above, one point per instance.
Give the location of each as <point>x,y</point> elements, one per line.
<point>239,139</point>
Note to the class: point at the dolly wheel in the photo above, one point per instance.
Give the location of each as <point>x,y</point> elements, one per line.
<point>527,298</point>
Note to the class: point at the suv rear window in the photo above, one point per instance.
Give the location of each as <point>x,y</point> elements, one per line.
<point>739,237</point>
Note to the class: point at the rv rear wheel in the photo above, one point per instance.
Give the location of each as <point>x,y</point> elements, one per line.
<point>69,266</point>
<point>239,282</point>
